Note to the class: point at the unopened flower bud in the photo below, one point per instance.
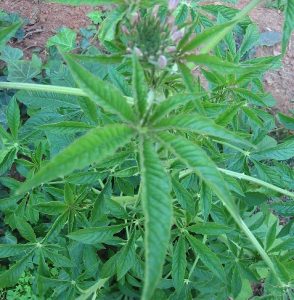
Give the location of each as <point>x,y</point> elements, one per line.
<point>172,4</point>
<point>125,29</point>
<point>170,21</point>
<point>155,10</point>
<point>138,52</point>
<point>162,62</point>
<point>171,49</point>
<point>135,18</point>
<point>177,36</point>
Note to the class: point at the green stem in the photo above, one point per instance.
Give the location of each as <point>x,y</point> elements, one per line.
<point>257,181</point>
<point>49,89</point>
<point>247,178</point>
<point>43,88</point>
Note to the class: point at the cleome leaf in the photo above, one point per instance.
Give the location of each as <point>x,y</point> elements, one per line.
<point>95,235</point>
<point>101,92</point>
<point>201,125</point>
<point>94,146</point>
<point>208,258</point>
<point>179,264</point>
<point>140,89</point>
<point>158,212</point>
<point>10,277</point>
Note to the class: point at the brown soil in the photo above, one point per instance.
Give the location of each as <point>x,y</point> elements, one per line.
<point>46,18</point>
<point>280,82</point>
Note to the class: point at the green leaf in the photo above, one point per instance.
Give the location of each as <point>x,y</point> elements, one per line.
<point>119,82</point>
<point>158,212</point>
<point>13,117</point>
<point>52,208</point>
<point>47,100</point>
<point>208,258</point>
<point>172,103</point>
<point>200,125</point>
<point>251,97</point>
<point>214,63</point>
<point>24,70</point>
<point>287,244</point>
<point>140,88</point>
<point>250,39</point>
<point>65,40</point>
<point>95,146</point>
<point>108,27</point>
<point>210,36</point>
<point>210,228</point>
<point>179,264</point>
<point>287,121</point>
<point>283,151</point>
<point>10,277</point>
<point>127,258</point>
<point>283,208</point>
<point>67,127</point>
<point>271,235</point>
<point>8,250</point>
<point>197,159</point>
<point>7,32</point>
<point>288,24</point>
<point>25,229</point>
<point>95,235</point>
<point>100,91</point>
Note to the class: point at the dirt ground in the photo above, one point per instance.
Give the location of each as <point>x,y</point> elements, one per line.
<point>46,18</point>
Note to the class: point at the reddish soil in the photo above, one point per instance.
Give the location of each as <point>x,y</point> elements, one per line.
<point>46,18</point>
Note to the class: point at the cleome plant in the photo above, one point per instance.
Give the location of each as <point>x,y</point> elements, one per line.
<point>150,166</point>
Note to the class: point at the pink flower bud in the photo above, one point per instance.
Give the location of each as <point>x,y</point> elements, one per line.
<point>171,49</point>
<point>162,61</point>
<point>135,18</point>
<point>177,36</point>
<point>155,10</point>
<point>172,4</point>
<point>138,52</point>
<point>124,29</point>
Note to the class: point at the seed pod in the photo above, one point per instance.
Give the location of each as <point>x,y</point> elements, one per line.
<point>162,62</point>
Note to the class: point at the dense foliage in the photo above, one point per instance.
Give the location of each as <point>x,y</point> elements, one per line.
<point>149,166</point>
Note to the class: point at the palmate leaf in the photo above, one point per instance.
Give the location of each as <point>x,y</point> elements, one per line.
<point>7,32</point>
<point>101,92</point>
<point>13,117</point>
<point>288,25</point>
<point>11,276</point>
<point>197,160</point>
<point>7,250</point>
<point>95,235</point>
<point>201,125</point>
<point>94,146</point>
<point>158,212</point>
<point>207,257</point>
<point>283,151</point>
<point>172,103</point>
<point>179,264</point>
<point>140,89</point>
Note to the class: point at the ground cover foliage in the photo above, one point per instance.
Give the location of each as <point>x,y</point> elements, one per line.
<point>149,166</point>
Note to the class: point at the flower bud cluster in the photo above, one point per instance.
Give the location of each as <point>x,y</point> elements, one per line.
<point>152,35</point>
